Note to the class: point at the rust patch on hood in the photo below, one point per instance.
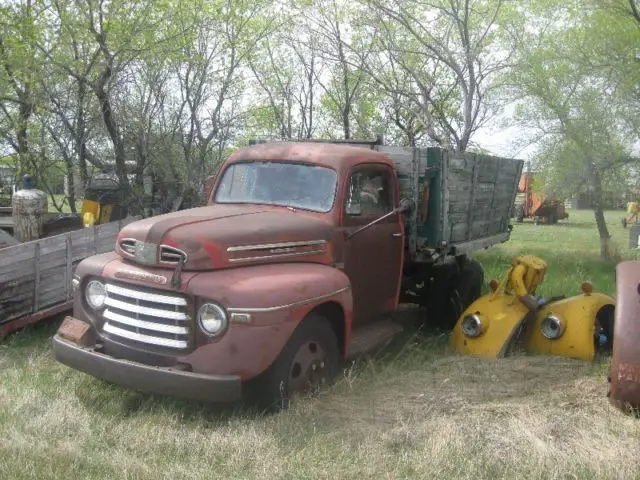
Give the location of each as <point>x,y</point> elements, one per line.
<point>204,234</point>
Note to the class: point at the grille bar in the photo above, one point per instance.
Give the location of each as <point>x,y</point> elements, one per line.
<point>149,297</point>
<point>133,322</point>
<point>139,337</point>
<point>140,315</point>
<point>153,312</point>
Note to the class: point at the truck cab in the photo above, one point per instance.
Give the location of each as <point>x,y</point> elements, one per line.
<point>288,270</point>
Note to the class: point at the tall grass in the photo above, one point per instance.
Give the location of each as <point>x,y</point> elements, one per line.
<point>416,411</point>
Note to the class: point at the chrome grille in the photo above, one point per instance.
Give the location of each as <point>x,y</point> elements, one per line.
<point>128,245</point>
<point>154,318</point>
<point>171,255</point>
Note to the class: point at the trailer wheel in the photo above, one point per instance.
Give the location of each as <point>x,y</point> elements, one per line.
<point>309,361</point>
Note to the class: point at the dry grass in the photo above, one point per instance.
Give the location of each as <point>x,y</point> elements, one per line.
<point>416,412</point>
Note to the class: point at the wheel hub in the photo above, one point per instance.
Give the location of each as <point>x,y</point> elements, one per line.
<point>308,369</point>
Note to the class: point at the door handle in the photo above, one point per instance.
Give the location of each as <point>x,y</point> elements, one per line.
<point>397,235</point>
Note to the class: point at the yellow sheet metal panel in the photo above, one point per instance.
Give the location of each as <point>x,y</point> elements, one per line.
<point>499,316</point>
<point>567,327</point>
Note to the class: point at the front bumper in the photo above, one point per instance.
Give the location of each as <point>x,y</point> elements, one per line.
<point>147,378</point>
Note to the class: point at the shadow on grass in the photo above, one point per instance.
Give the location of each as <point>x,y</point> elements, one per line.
<point>33,335</point>
<point>108,400</point>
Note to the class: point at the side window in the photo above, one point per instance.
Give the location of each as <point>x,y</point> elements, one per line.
<point>369,193</point>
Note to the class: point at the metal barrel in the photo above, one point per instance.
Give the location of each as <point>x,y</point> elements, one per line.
<point>624,371</point>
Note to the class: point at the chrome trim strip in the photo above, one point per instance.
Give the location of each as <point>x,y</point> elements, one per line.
<point>139,337</point>
<point>129,254</point>
<point>290,305</point>
<point>244,248</point>
<point>279,255</point>
<point>132,322</point>
<point>176,251</point>
<point>149,297</point>
<point>153,312</point>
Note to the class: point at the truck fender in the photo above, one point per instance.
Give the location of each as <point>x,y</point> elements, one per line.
<point>265,304</point>
<point>624,371</point>
<point>499,318</point>
<point>573,320</point>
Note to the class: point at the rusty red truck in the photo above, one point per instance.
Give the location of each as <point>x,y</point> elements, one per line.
<point>293,266</point>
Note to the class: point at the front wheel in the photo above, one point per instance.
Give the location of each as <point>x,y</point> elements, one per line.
<point>309,361</point>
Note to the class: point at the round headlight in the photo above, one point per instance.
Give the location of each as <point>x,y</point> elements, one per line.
<point>95,294</point>
<point>212,319</point>
<point>472,325</point>
<point>551,327</point>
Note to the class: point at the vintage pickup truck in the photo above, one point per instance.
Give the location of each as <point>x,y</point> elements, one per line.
<point>302,251</point>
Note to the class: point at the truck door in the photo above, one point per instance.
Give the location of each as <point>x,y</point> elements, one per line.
<point>373,257</point>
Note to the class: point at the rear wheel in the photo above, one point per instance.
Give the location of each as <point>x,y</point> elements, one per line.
<point>455,287</point>
<point>309,361</point>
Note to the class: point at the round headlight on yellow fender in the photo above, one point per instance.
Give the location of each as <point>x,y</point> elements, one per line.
<point>472,325</point>
<point>212,319</point>
<point>552,327</point>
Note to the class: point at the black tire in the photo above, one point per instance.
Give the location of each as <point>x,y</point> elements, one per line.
<point>553,218</point>
<point>469,282</point>
<point>455,287</point>
<point>315,339</point>
<point>442,303</point>
<point>520,214</point>
<point>606,319</point>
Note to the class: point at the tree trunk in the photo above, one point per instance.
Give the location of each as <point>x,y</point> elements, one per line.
<point>22,136</point>
<point>603,231</point>
<point>118,146</point>
<point>80,135</point>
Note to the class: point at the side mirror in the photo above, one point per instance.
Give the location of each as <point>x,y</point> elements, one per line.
<point>405,205</point>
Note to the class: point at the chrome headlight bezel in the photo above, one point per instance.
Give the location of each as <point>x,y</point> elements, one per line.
<point>100,291</point>
<point>472,326</point>
<point>551,327</point>
<point>205,324</point>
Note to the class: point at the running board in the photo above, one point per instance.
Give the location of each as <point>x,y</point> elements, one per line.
<point>373,336</point>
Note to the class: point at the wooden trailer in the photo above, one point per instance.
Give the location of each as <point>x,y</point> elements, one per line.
<point>35,277</point>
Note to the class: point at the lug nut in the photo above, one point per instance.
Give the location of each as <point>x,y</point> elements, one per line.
<point>313,367</point>
<point>321,364</point>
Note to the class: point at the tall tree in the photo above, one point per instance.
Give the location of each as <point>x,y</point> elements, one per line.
<point>20,73</point>
<point>575,94</point>
<point>454,51</point>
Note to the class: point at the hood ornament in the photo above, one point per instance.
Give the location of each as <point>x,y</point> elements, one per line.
<point>146,253</point>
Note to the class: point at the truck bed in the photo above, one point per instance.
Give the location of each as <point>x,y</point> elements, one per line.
<point>464,200</point>
<point>35,277</point>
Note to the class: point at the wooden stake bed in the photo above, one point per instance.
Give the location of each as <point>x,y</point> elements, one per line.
<point>35,277</point>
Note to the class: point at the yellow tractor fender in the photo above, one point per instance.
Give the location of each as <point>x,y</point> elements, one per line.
<point>567,327</point>
<point>488,327</point>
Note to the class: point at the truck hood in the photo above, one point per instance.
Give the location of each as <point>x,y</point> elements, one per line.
<point>220,236</point>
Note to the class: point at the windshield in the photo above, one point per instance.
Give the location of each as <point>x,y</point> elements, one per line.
<point>295,185</point>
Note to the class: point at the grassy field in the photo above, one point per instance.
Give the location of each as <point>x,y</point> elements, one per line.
<point>415,412</point>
